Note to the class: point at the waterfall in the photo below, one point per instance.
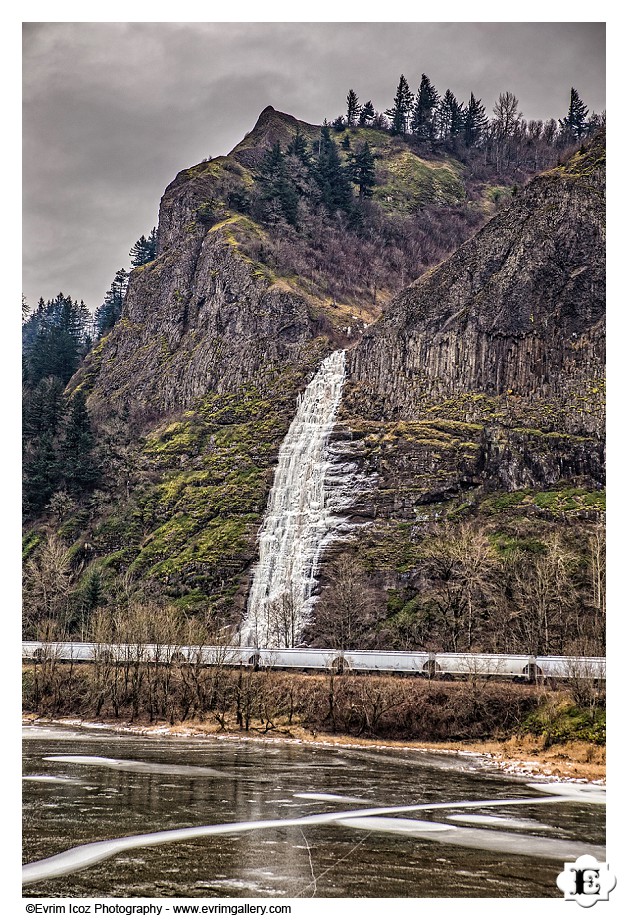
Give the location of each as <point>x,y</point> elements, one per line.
<point>299,521</point>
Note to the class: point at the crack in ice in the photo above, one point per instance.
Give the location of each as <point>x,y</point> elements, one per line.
<point>89,854</point>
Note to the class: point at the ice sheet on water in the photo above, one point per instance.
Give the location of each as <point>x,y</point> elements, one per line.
<point>501,821</point>
<point>59,733</point>
<point>583,792</point>
<point>89,854</point>
<point>477,839</point>
<point>328,797</point>
<point>138,766</point>
<point>42,778</point>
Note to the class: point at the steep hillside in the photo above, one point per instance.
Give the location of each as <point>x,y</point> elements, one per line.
<point>504,342</point>
<point>476,395</point>
<point>479,395</point>
<point>518,310</point>
<point>235,288</point>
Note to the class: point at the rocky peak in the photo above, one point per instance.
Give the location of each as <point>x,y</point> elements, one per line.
<point>272,127</point>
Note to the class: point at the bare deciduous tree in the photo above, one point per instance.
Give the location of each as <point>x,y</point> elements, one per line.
<point>545,596</point>
<point>48,580</point>
<point>347,608</point>
<point>460,563</point>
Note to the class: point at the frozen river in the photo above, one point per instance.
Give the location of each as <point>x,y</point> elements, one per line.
<point>121,815</point>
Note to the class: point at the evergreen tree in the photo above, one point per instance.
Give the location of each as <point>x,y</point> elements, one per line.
<point>110,311</point>
<point>331,176</point>
<point>54,339</point>
<point>367,113</point>
<point>42,414</point>
<point>278,191</point>
<point>402,105</point>
<point>363,171</point>
<point>451,117</point>
<point>353,108</point>
<point>574,126</point>
<point>596,122</point>
<point>144,250</point>
<point>42,409</point>
<point>422,122</point>
<point>78,465</point>
<point>298,167</point>
<point>475,122</point>
<point>40,474</point>
<point>298,148</point>
<point>92,594</point>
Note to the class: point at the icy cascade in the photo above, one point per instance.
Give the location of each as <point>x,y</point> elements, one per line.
<point>299,521</point>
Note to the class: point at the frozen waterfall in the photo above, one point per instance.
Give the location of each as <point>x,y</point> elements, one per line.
<point>299,519</point>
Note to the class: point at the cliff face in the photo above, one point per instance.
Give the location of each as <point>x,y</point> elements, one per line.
<point>488,371</point>
<point>199,318</point>
<point>484,375</point>
<point>214,310</point>
<point>203,316</point>
<point>518,309</point>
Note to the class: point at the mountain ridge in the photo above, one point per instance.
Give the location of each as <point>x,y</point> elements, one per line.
<point>447,412</point>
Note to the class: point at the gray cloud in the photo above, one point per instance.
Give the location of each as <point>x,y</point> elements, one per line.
<point>112,111</point>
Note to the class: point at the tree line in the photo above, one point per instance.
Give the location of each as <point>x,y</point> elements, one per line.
<point>537,595</point>
<point>171,687</point>
<point>469,593</point>
<point>60,453</point>
<point>434,121</point>
<point>155,679</point>
<point>58,442</point>
<point>292,182</point>
<point>109,312</point>
<point>327,227</point>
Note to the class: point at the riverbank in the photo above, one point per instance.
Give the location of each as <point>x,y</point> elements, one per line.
<point>518,756</point>
<point>528,729</point>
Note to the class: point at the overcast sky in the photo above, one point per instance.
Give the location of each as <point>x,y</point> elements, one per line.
<point>112,111</point>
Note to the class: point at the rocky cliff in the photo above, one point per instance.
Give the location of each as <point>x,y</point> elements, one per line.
<point>482,378</point>
<point>489,370</point>
<point>201,317</point>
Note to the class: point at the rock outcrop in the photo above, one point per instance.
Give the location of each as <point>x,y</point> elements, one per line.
<point>199,318</point>
<point>488,371</point>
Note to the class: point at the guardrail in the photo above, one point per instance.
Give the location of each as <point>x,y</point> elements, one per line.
<point>305,659</point>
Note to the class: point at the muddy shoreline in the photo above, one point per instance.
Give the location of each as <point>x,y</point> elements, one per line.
<point>525,757</point>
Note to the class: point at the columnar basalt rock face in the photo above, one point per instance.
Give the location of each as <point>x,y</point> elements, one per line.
<point>506,336</point>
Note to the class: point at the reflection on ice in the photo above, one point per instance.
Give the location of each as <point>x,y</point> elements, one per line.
<point>91,853</point>
<point>450,835</point>
<point>138,766</point>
